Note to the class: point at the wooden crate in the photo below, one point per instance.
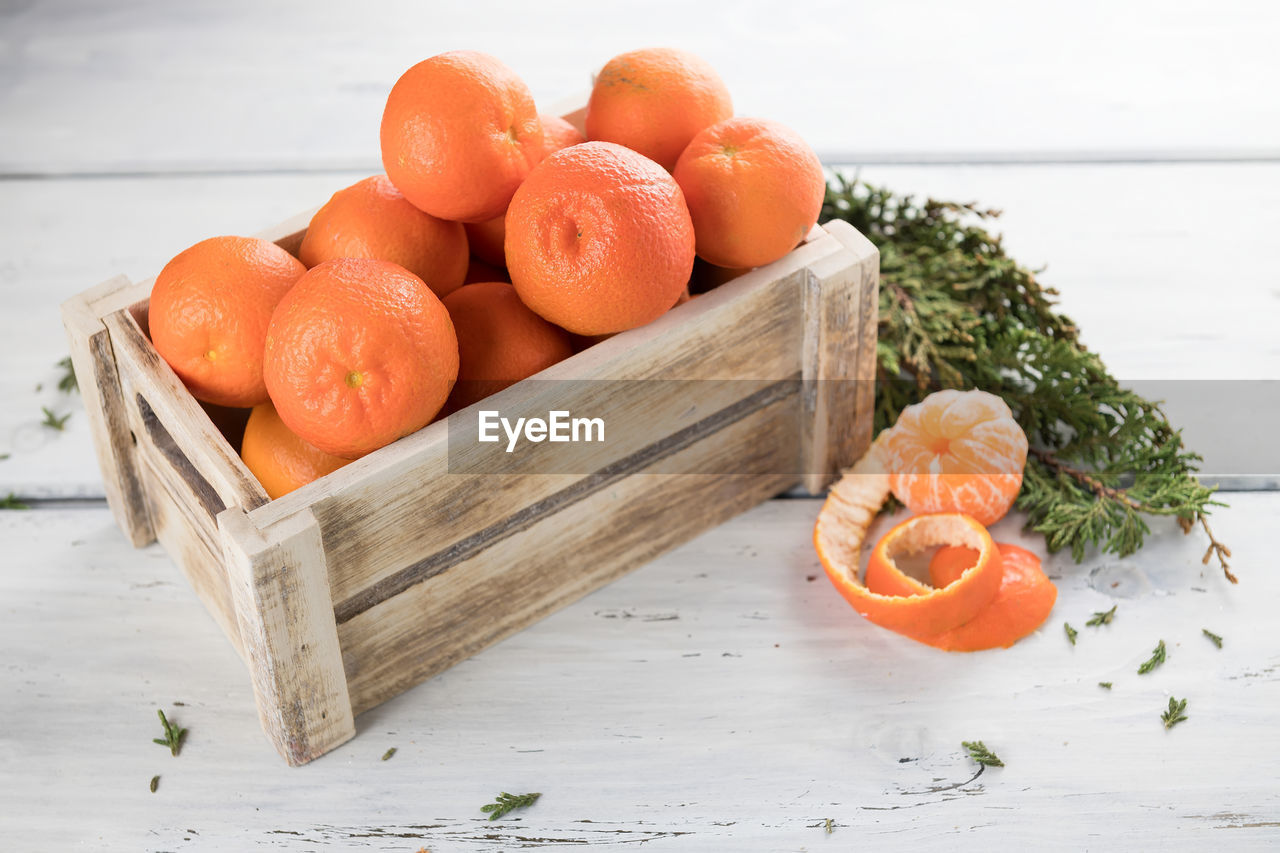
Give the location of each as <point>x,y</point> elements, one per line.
<point>353,588</point>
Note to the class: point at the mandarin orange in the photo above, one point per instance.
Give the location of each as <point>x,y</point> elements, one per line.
<point>372,219</point>
<point>359,354</point>
<point>599,239</point>
<point>500,341</point>
<point>459,133</point>
<point>486,238</point>
<point>209,311</point>
<point>754,189</point>
<point>654,101</point>
<point>957,451</point>
<point>280,459</point>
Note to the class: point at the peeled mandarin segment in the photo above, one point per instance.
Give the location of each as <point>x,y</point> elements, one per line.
<point>1021,605</point>
<point>957,451</point>
<point>924,614</point>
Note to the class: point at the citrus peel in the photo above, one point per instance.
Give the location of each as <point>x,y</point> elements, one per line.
<point>842,526</point>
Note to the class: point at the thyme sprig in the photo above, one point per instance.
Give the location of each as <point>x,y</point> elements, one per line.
<point>1175,714</point>
<point>1157,658</point>
<point>506,803</point>
<point>978,752</point>
<point>173,735</point>
<point>1072,633</point>
<point>1213,638</point>
<point>1102,617</point>
<point>12,501</point>
<point>957,312</point>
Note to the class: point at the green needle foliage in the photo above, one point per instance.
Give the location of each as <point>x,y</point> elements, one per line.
<point>978,752</point>
<point>957,312</point>
<point>1174,714</point>
<point>506,803</point>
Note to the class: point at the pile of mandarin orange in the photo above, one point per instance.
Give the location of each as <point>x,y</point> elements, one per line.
<point>498,241</point>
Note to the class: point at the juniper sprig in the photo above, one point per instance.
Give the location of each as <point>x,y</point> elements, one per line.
<point>957,312</point>
<point>505,803</point>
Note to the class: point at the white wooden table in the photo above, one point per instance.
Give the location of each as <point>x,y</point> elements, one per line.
<point>722,697</point>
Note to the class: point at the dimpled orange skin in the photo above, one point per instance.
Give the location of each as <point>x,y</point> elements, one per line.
<point>209,311</point>
<point>754,189</point>
<point>280,459</point>
<point>359,353</point>
<point>486,238</point>
<point>599,239</point>
<point>459,133</point>
<point>372,219</point>
<point>500,341</point>
<point>654,101</point>
<point>957,451</point>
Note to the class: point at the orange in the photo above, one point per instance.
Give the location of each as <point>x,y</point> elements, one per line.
<point>478,271</point>
<point>209,311</point>
<point>459,134</point>
<point>957,451</point>
<point>486,238</point>
<point>279,459</point>
<point>599,239</point>
<point>557,133</point>
<point>359,354</point>
<point>500,341</point>
<point>1021,605</point>
<point>372,219</point>
<point>754,189</point>
<point>654,101</point>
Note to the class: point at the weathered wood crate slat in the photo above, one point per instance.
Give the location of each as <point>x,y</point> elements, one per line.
<point>353,588</point>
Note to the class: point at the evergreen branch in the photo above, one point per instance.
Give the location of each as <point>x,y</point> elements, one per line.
<point>1157,658</point>
<point>67,383</point>
<point>978,752</point>
<point>1102,617</point>
<point>52,421</point>
<point>1174,715</point>
<point>957,312</point>
<point>172,735</point>
<point>505,803</point>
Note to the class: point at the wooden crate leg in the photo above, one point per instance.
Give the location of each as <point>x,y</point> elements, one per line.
<point>841,312</point>
<point>104,406</point>
<point>280,587</point>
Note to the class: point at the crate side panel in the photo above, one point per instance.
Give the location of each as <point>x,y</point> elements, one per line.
<point>406,512</point>
<point>190,547</point>
<point>525,577</point>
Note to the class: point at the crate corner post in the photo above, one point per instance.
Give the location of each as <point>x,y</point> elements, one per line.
<point>841,305</point>
<point>97,373</point>
<point>280,587</point>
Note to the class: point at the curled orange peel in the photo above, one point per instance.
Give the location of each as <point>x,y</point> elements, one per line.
<point>842,526</point>
<point>1022,604</point>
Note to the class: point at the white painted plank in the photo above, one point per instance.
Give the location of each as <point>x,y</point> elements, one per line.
<point>144,85</point>
<point>715,699</point>
<point>1166,268</point>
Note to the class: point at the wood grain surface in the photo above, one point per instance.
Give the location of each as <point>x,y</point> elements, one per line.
<point>722,697</point>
